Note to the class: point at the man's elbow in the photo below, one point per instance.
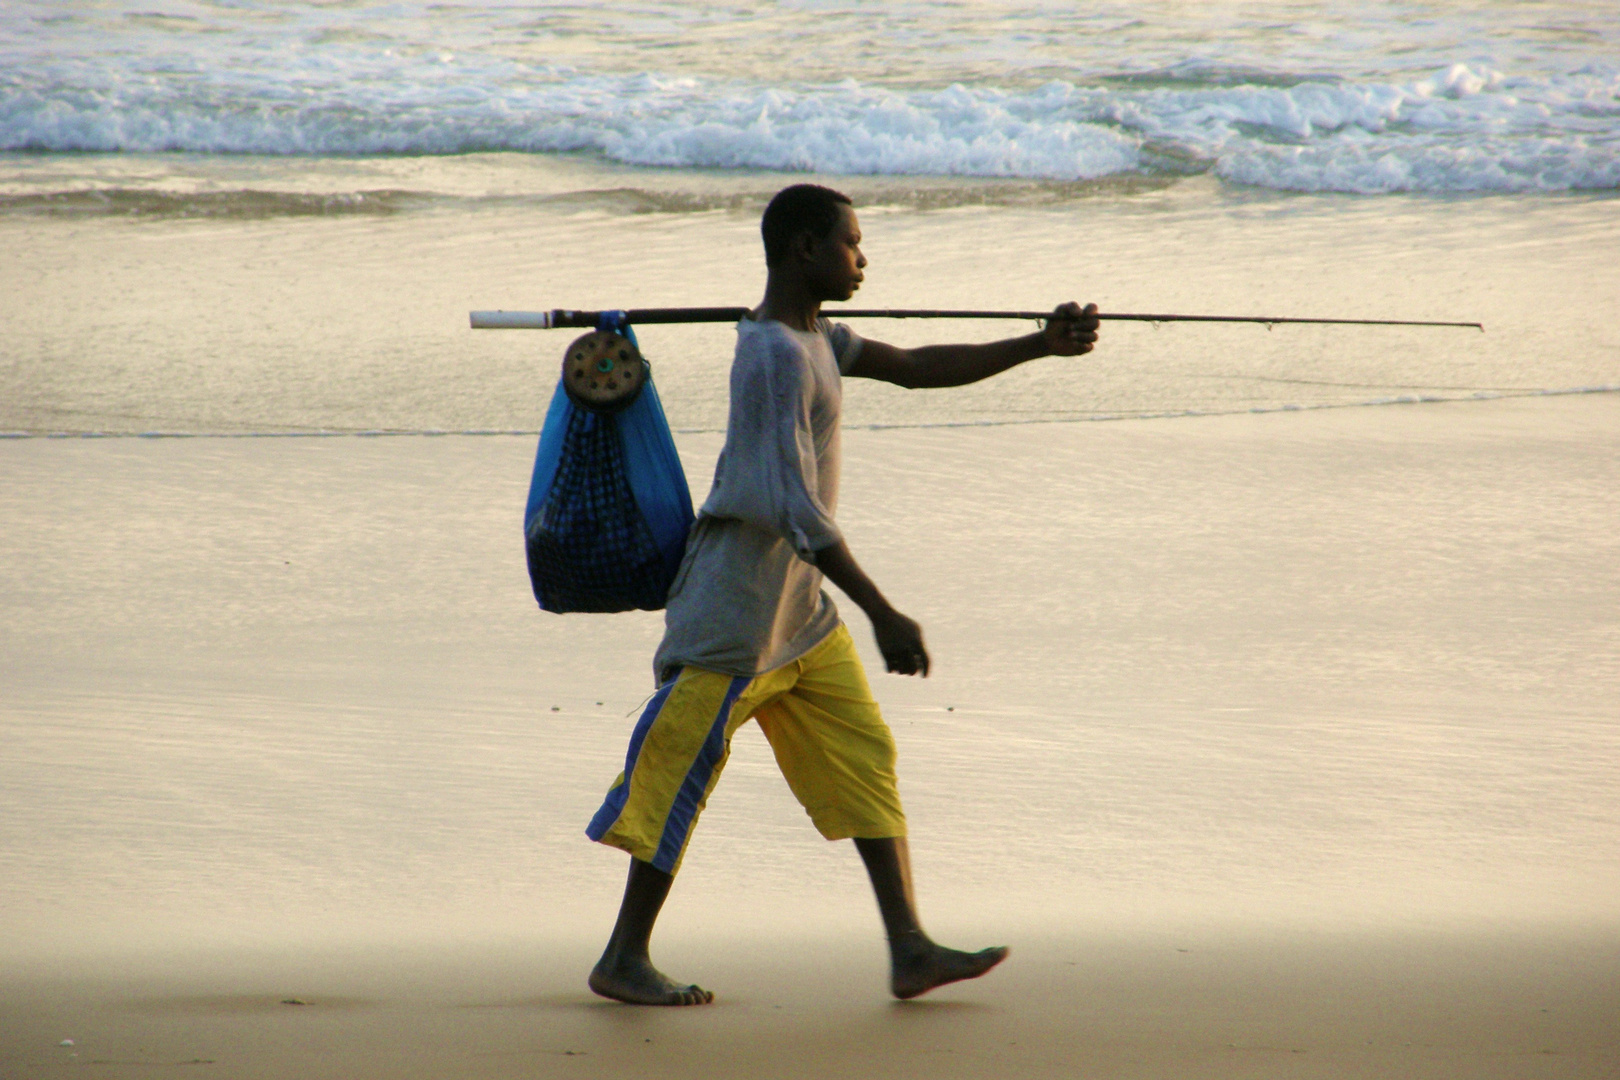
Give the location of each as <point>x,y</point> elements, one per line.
<point>911,375</point>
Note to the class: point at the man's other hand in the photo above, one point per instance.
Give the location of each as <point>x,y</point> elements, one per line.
<point>1072,330</point>
<point>900,640</point>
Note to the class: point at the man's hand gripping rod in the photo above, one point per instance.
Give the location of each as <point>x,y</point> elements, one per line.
<point>560,317</point>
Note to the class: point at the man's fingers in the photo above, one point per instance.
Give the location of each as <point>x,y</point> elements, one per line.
<point>1075,327</point>
<point>1085,318</point>
<point>907,660</point>
<point>911,663</point>
<point>900,641</point>
<point>914,662</point>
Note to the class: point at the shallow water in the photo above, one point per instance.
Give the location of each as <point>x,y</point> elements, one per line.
<point>357,321</point>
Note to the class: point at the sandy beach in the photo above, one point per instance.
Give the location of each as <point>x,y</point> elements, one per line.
<point>1488,1004</point>
<point>1275,745</point>
<point>1274,720</point>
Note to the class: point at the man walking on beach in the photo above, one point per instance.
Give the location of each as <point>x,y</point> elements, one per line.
<point>751,634</point>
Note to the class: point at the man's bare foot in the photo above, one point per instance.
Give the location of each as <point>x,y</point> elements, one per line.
<point>637,982</point>
<point>919,966</point>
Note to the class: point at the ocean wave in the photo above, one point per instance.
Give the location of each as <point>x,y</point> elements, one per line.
<point>251,204</point>
<point>247,204</point>
<point>1462,128</point>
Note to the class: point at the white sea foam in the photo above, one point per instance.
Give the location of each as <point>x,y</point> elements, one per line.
<point>304,87</point>
<point>1461,130</point>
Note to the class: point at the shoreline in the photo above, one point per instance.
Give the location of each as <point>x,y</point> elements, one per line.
<point>1100,418</point>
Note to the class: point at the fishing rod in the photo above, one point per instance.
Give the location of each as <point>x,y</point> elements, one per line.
<point>561,317</point>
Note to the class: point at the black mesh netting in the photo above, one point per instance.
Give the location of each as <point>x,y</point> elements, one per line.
<point>589,547</point>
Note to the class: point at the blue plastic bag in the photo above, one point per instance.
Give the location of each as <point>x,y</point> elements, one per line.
<point>609,509</point>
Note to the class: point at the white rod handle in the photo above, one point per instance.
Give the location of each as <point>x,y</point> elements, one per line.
<point>511,320</point>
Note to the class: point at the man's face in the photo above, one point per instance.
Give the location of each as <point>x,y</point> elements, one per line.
<point>834,269</point>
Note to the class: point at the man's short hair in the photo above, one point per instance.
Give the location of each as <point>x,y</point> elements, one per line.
<point>801,208</point>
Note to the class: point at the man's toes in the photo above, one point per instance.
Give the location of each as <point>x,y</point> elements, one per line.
<point>976,964</point>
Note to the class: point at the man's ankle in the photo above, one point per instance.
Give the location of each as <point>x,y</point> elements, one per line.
<point>619,959</point>
<point>908,943</point>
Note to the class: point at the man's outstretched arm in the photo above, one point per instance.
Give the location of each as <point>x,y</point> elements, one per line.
<point>1071,331</point>
<point>899,638</point>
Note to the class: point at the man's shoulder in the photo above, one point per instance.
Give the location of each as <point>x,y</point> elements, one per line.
<point>767,336</point>
<point>772,340</point>
<point>769,347</point>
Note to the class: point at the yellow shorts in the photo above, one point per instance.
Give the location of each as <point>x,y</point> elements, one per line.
<point>826,730</point>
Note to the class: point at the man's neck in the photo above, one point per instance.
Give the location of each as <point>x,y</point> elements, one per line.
<point>789,303</point>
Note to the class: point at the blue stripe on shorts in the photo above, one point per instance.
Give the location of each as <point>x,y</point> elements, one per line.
<point>613,805</point>
<point>696,783</point>
<point>681,814</point>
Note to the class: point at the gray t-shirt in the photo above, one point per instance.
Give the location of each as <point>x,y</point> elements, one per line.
<point>747,599</point>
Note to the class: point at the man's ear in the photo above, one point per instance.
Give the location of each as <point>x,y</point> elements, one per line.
<point>804,245</point>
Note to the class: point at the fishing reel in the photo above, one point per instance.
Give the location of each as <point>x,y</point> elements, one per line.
<point>603,371</point>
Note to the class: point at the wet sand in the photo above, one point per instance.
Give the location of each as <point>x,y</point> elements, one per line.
<point>1274,745</point>
<point>1477,1004</point>
<point>359,323</point>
